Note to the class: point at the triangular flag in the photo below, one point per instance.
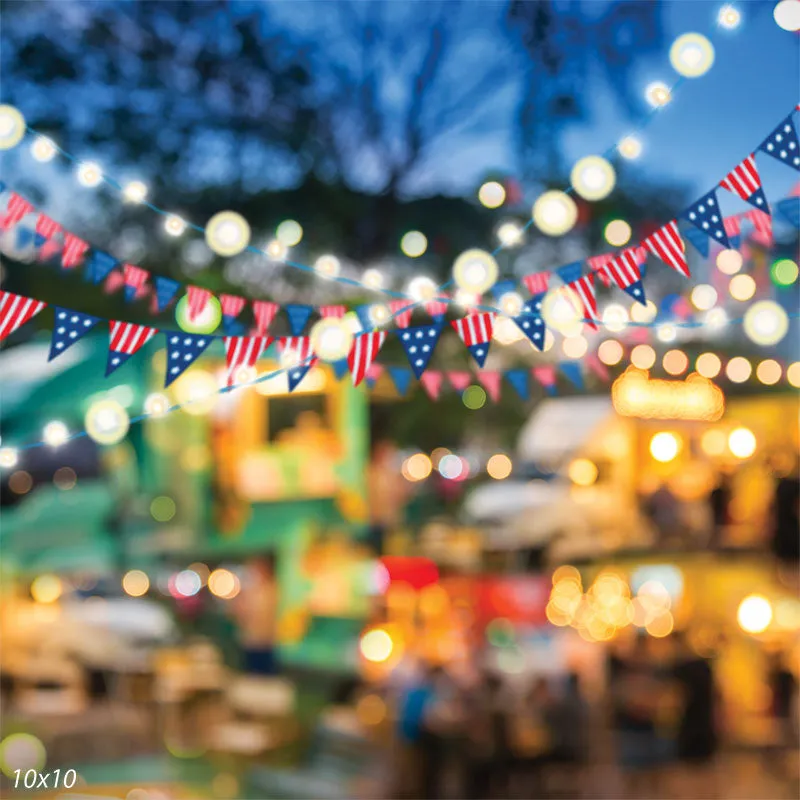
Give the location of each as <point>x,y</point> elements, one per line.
<point>183,349</point>
<point>536,283</point>
<point>436,308</point>
<point>733,230</point>
<point>790,209</point>
<point>401,378</point>
<point>363,352</point>
<point>298,316</point>
<point>624,271</point>
<point>783,144</point>
<point>547,377</point>
<point>518,378</point>
<point>166,289</point>
<point>113,282</point>
<point>762,222</point>
<point>584,289</point>
<point>68,327</point>
<point>74,250</point>
<point>264,312</point>
<point>364,314</point>
<point>490,380</point>
<point>16,310</point>
<point>431,381</point>
<point>743,180</point>
<point>98,265</point>
<point>25,237</point>
<point>598,367</point>
<point>243,351</point>
<point>475,330</point>
<point>197,301</point>
<point>126,339</point>
<point>698,240</point>
<point>46,229</point>
<point>135,278</point>
<point>373,373</point>
<point>459,380</point>
<point>337,312</point>
<point>340,368</point>
<point>705,215</point>
<point>401,316</point>
<point>572,370</point>
<point>296,350</point>
<point>16,208</point>
<point>597,264</point>
<point>419,344</point>
<point>666,244</point>
<point>570,273</point>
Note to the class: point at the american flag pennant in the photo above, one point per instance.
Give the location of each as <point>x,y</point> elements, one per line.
<point>431,382</point>
<point>335,312</point>
<point>126,339</point>
<point>68,328</point>
<point>16,208</point>
<point>518,378</point>
<point>15,311</point>
<point>762,223</point>
<point>475,330</point>
<point>459,380</point>
<point>733,230</point>
<point>783,144</point>
<point>232,305</point>
<point>436,308</point>
<point>705,215</point>
<point>243,351</point>
<point>165,292</point>
<point>666,244</point>
<point>698,240</point>
<point>572,371</point>
<point>297,353</point>
<point>46,229</point>
<point>364,314</point>
<point>583,287</point>
<point>624,271</point>
<point>98,265</point>
<point>419,344</point>
<point>596,264</point>
<point>113,282</point>
<point>363,352</point>
<point>536,283</point>
<point>197,301</point>
<point>490,380</point>
<point>264,312</point>
<point>298,316</point>
<point>401,378</point>
<point>74,250</point>
<point>743,180</point>
<point>546,376</point>
<point>401,318</point>
<point>183,349</point>
<point>135,279</point>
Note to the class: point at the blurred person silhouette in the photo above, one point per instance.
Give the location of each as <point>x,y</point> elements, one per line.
<point>255,610</point>
<point>568,720</point>
<point>719,501</point>
<point>533,737</point>
<point>665,514</point>
<point>786,516</point>
<point>783,686</point>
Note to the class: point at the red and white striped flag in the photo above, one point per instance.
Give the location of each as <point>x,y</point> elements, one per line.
<point>243,351</point>
<point>490,380</point>
<point>584,288</point>
<point>733,226</point>
<point>295,350</point>
<point>16,310</point>
<point>762,222</point>
<point>47,228</point>
<point>436,308</point>
<point>74,250</point>
<point>231,304</point>
<point>337,312</point>
<point>16,209</point>
<point>623,269</point>
<point>743,180</point>
<point>127,338</point>
<point>402,318</point>
<point>114,282</point>
<point>363,352</point>
<point>198,300</point>
<point>536,282</point>
<point>596,264</point>
<point>134,277</point>
<point>666,244</point>
<point>264,312</point>
<point>475,328</point>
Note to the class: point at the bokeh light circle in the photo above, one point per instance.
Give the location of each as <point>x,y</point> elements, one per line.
<point>12,127</point>
<point>704,296</point>
<point>630,147</point>
<point>135,583</point>
<point>691,55</point>
<point>43,149</point>
<point>227,233</point>
<point>492,194</point>
<point>206,321</point>
<point>658,94</point>
<point>793,374</point>
<point>766,323</point>
<point>610,352</point>
<point>23,752</point>
<point>738,369</point>
<point>787,15</point>
<point>769,372</point>
<point>414,244</point>
<point>644,313</point>
<point>784,272</point>
<point>474,397</point>
<point>561,311</point>
<point>555,213</point>
<point>107,422</point>
<point>708,365</point>
<point>675,362</point>
<point>593,178</point>
<point>643,356</point>
<point>475,271</point>
<point>617,232</point>
<point>615,317</point>
<point>729,262</point>
<point>499,466</point>
<point>742,287</point>
<point>575,347</point>
<point>665,446</point>
<point>289,233</point>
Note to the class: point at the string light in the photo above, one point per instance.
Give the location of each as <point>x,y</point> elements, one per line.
<point>716,319</point>
<point>106,422</point>
<point>8,457</point>
<point>373,279</point>
<point>691,55</point>
<point>174,225</point>
<point>511,304</point>
<point>742,287</point>
<point>43,149</point>
<point>729,17</point>
<point>615,318</point>
<point>414,244</point>
<point>135,192</point>
<point>289,232</point>
<point>704,297</point>
<point>610,352</point>
<point>729,262</point>
<point>379,314</point>
<point>156,405</point>
<point>708,365</point>
<point>89,174</point>
<point>666,332</point>
<point>509,234</point>
<point>630,147</point>
<point>766,323</point>
<point>227,233</point>
<point>55,433</point>
<point>555,213</point>
<point>593,178</point>
<point>12,127</point>
<point>643,356</point>
<point>328,266</point>
<point>475,271</point>
<point>665,446</point>
<point>421,289</point>
<point>617,232</point>
<point>658,94</point>
<point>738,369</point>
<point>331,339</point>
<point>769,372</point>
<point>561,312</point>
<point>492,194</point>
<point>787,15</point>
<point>276,250</point>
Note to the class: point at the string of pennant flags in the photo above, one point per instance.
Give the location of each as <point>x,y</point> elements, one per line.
<point>702,225</point>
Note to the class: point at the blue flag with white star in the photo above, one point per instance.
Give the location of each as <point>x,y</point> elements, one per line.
<point>783,145</point>
<point>98,265</point>
<point>68,327</point>
<point>790,209</point>
<point>294,375</point>
<point>401,378</point>
<point>705,215</point>
<point>520,382</point>
<point>166,289</point>
<point>698,240</point>
<point>419,344</point>
<point>532,325</point>
<point>183,349</point>
<point>298,316</point>
<point>572,370</point>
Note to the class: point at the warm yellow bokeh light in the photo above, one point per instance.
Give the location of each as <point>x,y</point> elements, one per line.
<point>742,442</point>
<point>227,233</point>
<point>675,362</point>
<point>738,369</point>
<point>414,244</point>
<point>742,287</point>
<point>729,262</point>
<point>643,356</point>
<point>593,178</point>
<point>492,194</point>
<point>475,271</point>
<point>754,614</point>
<point>615,317</point>
<point>561,311</point>
<point>769,372</point>
<point>665,446</point>
<point>657,94</point>
<point>713,442</point>
<point>793,374</point>
<point>691,55</point>
<point>644,313</point>
<point>555,213</point>
<point>418,466</point>
<point>704,297</point>
<point>708,365</point>
<point>575,346</point>
<point>135,583</point>
<point>376,645</point>
<point>582,472</point>
<point>610,352</point>
<point>617,232</point>
<point>499,466</point>
<point>765,322</point>
<point>630,147</point>
<point>46,588</point>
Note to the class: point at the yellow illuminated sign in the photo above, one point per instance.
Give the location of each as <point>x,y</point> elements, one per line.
<point>635,394</point>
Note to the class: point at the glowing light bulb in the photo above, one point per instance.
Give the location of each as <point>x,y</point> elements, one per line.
<point>787,15</point>
<point>510,234</point>
<point>12,127</point>
<point>492,194</point>
<point>729,17</point>
<point>8,457</point>
<point>107,422</point>
<point>630,147</point>
<point>156,404</point>
<point>667,332</point>
<point>227,233</point>
<point>379,314</point>
<point>421,289</point>
<point>766,323</point>
<point>691,55</point>
<point>617,232</point>
<point>43,149</point>
<point>135,192</point>
<point>555,213</point>
<point>55,433</point>
<point>373,279</point>
<point>593,178</point>
<point>89,174</point>
<point>665,446</point>
<point>327,266</point>
<point>704,296</point>
<point>331,339</point>
<point>289,232</point>
<point>511,304</point>
<point>658,94</point>
<point>376,645</point>
<point>276,250</point>
<point>414,244</point>
<point>174,225</point>
<point>716,319</point>
<point>615,318</point>
<point>742,442</point>
<point>475,271</point>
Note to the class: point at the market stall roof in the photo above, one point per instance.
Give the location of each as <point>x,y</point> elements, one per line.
<point>560,426</point>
